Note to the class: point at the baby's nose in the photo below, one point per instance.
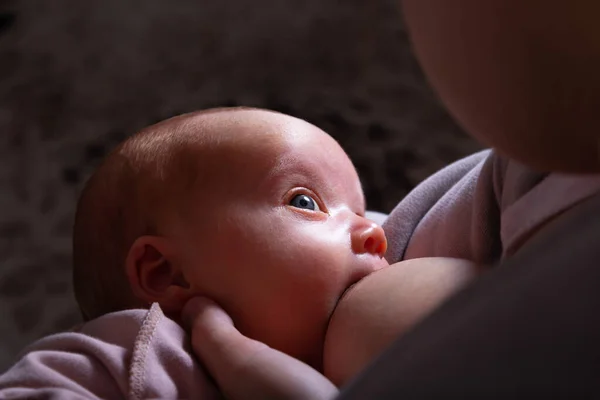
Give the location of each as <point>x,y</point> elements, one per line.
<point>369,239</point>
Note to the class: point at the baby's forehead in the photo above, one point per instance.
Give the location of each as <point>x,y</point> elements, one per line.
<point>235,131</point>
<point>265,140</point>
<point>245,132</point>
<point>234,144</point>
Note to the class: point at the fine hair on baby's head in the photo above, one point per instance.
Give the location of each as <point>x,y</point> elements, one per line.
<point>139,185</point>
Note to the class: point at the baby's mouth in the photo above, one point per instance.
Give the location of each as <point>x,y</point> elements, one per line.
<point>345,293</point>
<point>359,276</point>
<point>349,289</point>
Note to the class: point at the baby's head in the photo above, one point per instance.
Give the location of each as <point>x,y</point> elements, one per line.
<point>262,212</point>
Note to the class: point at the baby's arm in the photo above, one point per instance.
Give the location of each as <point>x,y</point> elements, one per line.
<point>384,306</point>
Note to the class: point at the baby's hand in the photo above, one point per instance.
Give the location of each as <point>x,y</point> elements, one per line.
<point>244,368</point>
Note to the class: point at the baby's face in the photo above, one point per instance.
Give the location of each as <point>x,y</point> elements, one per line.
<point>281,234</point>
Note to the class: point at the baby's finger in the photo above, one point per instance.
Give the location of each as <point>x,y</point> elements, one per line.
<point>215,340</point>
<point>199,309</point>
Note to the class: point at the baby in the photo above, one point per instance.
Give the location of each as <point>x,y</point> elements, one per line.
<point>262,213</point>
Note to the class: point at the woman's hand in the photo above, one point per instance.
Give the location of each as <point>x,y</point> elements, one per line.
<point>244,368</point>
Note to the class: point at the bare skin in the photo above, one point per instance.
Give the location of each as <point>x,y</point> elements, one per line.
<point>384,306</point>
<point>521,76</point>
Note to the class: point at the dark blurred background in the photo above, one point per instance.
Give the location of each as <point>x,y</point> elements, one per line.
<point>77,76</point>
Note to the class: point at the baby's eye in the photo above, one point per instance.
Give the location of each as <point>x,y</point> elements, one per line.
<point>304,201</point>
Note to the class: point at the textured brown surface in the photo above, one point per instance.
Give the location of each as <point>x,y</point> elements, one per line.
<point>78,76</point>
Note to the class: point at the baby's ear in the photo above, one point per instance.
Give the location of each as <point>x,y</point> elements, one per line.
<point>154,274</point>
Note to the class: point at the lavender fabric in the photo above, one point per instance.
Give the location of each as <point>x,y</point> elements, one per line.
<point>134,354</point>
<point>482,208</point>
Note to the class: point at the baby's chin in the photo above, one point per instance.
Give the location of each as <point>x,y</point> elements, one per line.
<point>376,310</point>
